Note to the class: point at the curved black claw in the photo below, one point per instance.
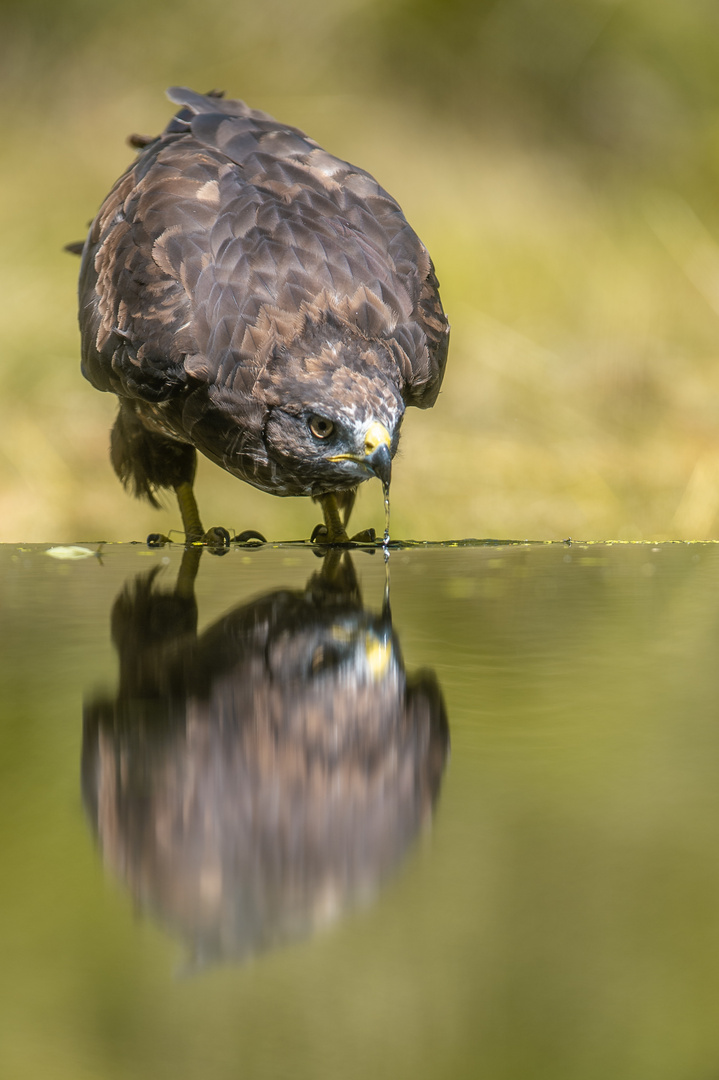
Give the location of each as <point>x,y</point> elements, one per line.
<point>216,540</point>
<point>249,536</point>
<point>322,539</point>
<point>366,536</point>
<point>319,534</point>
<point>157,540</point>
<point>322,535</point>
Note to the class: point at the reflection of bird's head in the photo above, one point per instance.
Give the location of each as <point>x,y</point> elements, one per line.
<point>357,652</point>
<point>335,412</point>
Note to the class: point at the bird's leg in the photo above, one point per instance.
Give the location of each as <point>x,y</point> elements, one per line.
<point>147,461</point>
<point>337,507</point>
<point>336,532</point>
<point>346,501</point>
<point>190,514</point>
<point>194,533</point>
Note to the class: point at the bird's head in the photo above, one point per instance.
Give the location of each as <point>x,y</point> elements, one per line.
<point>334,418</point>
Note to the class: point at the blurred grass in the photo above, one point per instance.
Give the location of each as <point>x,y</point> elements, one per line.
<point>560,162</point>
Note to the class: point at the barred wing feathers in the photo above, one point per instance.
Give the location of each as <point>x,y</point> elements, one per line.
<point>227,234</point>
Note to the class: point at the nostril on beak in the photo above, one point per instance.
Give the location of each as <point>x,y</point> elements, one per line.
<point>375,437</point>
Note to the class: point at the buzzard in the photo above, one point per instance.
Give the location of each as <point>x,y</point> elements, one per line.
<point>246,294</point>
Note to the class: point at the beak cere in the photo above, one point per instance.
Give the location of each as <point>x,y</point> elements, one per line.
<point>377,457</point>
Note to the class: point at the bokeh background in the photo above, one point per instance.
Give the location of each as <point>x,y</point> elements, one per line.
<point>559,159</point>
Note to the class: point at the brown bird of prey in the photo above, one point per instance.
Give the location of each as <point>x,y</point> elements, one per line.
<point>248,295</point>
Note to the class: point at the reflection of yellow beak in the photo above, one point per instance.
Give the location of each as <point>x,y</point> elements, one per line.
<point>378,653</point>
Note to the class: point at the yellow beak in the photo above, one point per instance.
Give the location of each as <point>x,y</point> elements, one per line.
<point>377,455</point>
<point>376,436</point>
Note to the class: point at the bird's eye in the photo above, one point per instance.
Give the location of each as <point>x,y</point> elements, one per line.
<point>321,427</point>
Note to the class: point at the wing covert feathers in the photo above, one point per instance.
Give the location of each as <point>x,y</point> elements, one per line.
<point>225,236</point>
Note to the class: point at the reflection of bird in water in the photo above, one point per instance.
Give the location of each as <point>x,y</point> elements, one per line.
<point>253,782</point>
<point>247,294</point>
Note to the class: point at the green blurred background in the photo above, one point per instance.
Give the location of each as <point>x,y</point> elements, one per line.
<point>560,161</point>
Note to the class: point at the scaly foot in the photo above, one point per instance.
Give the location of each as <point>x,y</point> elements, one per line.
<point>216,539</point>
<point>322,535</point>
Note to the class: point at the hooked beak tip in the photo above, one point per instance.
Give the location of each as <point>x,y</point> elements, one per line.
<point>378,456</point>
<point>380,462</point>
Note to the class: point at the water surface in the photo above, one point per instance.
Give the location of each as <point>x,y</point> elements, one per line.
<point>259,820</point>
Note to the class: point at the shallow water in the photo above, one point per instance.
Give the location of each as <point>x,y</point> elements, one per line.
<point>257,820</point>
